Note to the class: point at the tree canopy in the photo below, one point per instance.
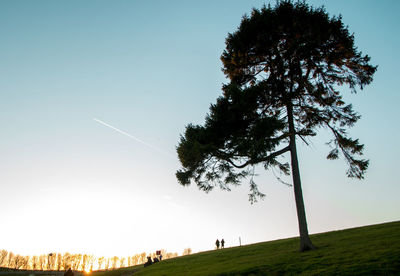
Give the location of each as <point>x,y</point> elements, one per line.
<point>286,65</point>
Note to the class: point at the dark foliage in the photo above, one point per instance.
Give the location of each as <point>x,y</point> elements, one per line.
<point>290,58</point>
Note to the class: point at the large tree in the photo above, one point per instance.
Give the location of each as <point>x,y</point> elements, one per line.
<point>286,65</point>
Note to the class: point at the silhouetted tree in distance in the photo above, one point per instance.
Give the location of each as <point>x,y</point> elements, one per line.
<point>59,261</point>
<point>286,65</point>
<point>35,262</point>
<point>42,262</point>
<point>122,262</point>
<point>66,261</point>
<point>79,262</point>
<point>10,259</point>
<point>3,257</point>
<point>114,261</point>
<point>187,251</point>
<point>18,261</point>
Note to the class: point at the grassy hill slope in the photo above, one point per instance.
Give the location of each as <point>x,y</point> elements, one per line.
<point>370,250</point>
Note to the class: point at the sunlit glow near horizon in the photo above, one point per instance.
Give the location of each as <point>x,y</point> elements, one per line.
<point>95,95</point>
<point>77,262</point>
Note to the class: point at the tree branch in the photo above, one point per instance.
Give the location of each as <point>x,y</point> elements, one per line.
<point>252,161</point>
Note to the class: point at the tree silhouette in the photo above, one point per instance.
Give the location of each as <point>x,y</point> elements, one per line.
<point>187,251</point>
<point>286,65</point>
<point>3,257</point>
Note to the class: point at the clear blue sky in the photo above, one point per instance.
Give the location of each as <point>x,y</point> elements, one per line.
<point>148,68</point>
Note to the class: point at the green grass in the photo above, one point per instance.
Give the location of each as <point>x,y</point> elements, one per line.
<point>370,250</point>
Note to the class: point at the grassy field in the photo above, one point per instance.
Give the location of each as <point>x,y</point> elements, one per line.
<point>370,250</point>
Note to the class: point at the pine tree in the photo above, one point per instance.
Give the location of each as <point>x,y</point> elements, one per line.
<point>286,65</point>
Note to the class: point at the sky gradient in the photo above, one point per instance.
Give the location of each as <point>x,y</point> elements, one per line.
<point>69,182</point>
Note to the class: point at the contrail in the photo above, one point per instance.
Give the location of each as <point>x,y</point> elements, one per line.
<point>133,137</point>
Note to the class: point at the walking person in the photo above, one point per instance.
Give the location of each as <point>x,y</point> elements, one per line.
<point>217,243</point>
<point>222,243</point>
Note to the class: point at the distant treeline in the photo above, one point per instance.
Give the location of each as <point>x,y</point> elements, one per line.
<point>77,262</point>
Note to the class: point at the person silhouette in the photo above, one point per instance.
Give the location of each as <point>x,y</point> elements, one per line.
<point>149,262</point>
<point>222,243</point>
<point>217,243</point>
<point>69,272</point>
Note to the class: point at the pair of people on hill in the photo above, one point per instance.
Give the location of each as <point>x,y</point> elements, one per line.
<point>150,261</point>
<point>217,243</point>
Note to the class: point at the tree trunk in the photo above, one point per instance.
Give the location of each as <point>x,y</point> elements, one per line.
<point>305,242</point>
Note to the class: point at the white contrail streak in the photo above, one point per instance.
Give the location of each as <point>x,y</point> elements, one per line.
<point>131,136</point>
